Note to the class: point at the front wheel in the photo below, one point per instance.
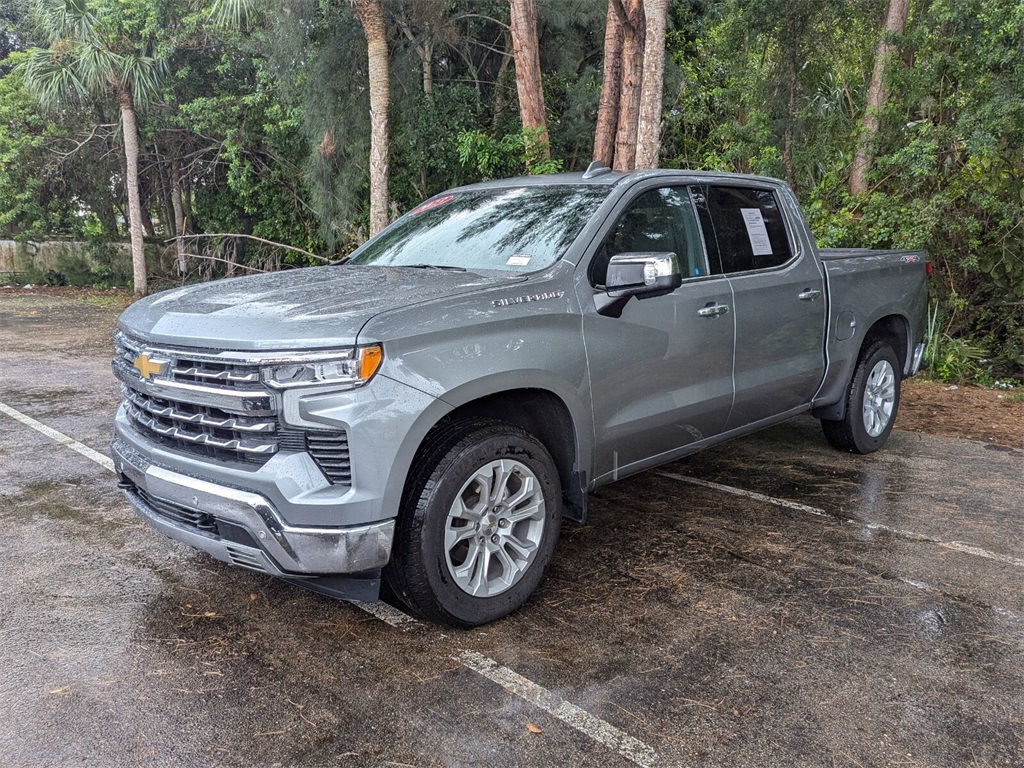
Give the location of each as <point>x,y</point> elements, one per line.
<point>479,524</point>
<point>872,401</point>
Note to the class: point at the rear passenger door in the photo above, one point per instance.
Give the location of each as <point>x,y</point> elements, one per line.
<point>779,305</point>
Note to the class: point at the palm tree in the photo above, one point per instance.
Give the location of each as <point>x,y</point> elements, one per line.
<point>371,15</point>
<point>94,57</point>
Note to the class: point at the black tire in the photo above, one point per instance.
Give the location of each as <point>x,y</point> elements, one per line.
<point>431,574</point>
<point>872,402</point>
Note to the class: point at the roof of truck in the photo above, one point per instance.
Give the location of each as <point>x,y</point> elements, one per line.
<point>611,178</point>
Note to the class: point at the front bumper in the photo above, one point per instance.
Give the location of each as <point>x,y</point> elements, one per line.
<point>243,528</point>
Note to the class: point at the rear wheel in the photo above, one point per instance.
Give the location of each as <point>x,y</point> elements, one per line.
<point>872,402</point>
<point>479,524</point>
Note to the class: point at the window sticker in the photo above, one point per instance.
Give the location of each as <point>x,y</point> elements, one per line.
<point>432,204</point>
<point>756,231</point>
<point>519,260</point>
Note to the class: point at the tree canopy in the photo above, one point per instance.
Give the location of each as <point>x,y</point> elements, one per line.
<point>259,127</point>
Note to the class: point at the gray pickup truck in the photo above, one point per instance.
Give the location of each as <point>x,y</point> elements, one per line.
<point>428,411</point>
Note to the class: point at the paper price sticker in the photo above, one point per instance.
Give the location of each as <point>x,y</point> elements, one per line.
<point>756,231</point>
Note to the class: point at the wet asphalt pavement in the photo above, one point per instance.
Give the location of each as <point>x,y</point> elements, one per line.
<point>862,611</point>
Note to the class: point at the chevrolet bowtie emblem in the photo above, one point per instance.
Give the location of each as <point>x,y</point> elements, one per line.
<point>148,368</point>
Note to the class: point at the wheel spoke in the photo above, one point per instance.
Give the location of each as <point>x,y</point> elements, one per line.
<point>453,536</point>
<point>464,572</point>
<point>478,584</point>
<point>510,568</point>
<point>529,512</point>
<point>473,514</point>
<point>524,492</point>
<point>483,479</point>
<point>501,474</point>
<point>522,548</point>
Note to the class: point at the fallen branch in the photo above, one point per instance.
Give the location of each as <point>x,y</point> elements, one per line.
<point>227,261</point>
<point>259,240</point>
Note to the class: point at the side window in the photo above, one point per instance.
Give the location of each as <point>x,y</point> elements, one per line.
<point>658,221</point>
<point>744,229</point>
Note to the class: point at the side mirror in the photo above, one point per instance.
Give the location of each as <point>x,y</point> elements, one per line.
<point>644,275</point>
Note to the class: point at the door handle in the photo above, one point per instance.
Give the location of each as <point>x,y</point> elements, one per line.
<point>809,295</point>
<point>713,310</point>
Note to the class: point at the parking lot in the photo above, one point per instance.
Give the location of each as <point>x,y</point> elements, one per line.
<point>770,602</point>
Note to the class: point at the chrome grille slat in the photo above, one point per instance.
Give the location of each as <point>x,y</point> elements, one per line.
<point>150,406</point>
<point>200,438</point>
<point>205,374</point>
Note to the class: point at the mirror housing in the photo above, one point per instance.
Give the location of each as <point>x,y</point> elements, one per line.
<point>644,275</point>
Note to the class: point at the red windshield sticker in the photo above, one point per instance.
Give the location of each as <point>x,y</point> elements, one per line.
<point>432,204</point>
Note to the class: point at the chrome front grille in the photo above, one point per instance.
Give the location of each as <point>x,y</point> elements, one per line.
<point>212,405</point>
<point>188,424</point>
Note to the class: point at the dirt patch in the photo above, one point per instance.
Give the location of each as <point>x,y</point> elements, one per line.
<point>46,318</point>
<point>962,411</point>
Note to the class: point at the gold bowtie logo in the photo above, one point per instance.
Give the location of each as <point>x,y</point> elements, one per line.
<point>148,368</point>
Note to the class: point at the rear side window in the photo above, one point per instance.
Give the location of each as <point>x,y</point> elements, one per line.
<point>744,229</point>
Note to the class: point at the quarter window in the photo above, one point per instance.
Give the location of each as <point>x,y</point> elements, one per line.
<point>744,229</point>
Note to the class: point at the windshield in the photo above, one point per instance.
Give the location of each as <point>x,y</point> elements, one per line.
<point>515,228</point>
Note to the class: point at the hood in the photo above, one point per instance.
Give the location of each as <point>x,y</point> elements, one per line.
<point>310,308</point>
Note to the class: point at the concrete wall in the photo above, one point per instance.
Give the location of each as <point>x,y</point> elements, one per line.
<point>78,262</point>
<point>7,248</point>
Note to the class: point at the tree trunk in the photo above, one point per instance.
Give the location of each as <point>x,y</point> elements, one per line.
<point>371,15</point>
<point>425,50</point>
<point>787,147</point>
<point>895,23</point>
<point>632,80</point>
<point>648,136</point>
<point>500,102</point>
<point>131,156</point>
<point>179,217</point>
<point>526,53</point>
<point>427,58</point>
<point>611,86</point>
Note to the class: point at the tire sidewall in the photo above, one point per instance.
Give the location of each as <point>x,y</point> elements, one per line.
<point>864,442</point>
<point>431,514</point>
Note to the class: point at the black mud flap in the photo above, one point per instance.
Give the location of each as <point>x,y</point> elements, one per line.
<point>362,587</point>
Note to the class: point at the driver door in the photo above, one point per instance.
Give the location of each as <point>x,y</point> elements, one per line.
<point>661,374</point>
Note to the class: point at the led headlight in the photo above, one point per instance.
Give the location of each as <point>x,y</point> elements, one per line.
<point>346,370</point>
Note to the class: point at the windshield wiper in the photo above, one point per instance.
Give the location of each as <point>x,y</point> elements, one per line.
<point>433,266</point>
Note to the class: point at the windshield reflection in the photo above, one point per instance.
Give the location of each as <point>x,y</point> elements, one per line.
<point>511,228</point>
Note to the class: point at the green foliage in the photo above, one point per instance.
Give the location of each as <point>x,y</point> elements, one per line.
<point>948,175</point>
<point>514,154</point>
<point>265,118</point>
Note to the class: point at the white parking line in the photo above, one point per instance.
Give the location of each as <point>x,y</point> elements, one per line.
<point>597,729</point>
<point>389,615</point>
<point>955,546</point>
<point>89,453</point>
